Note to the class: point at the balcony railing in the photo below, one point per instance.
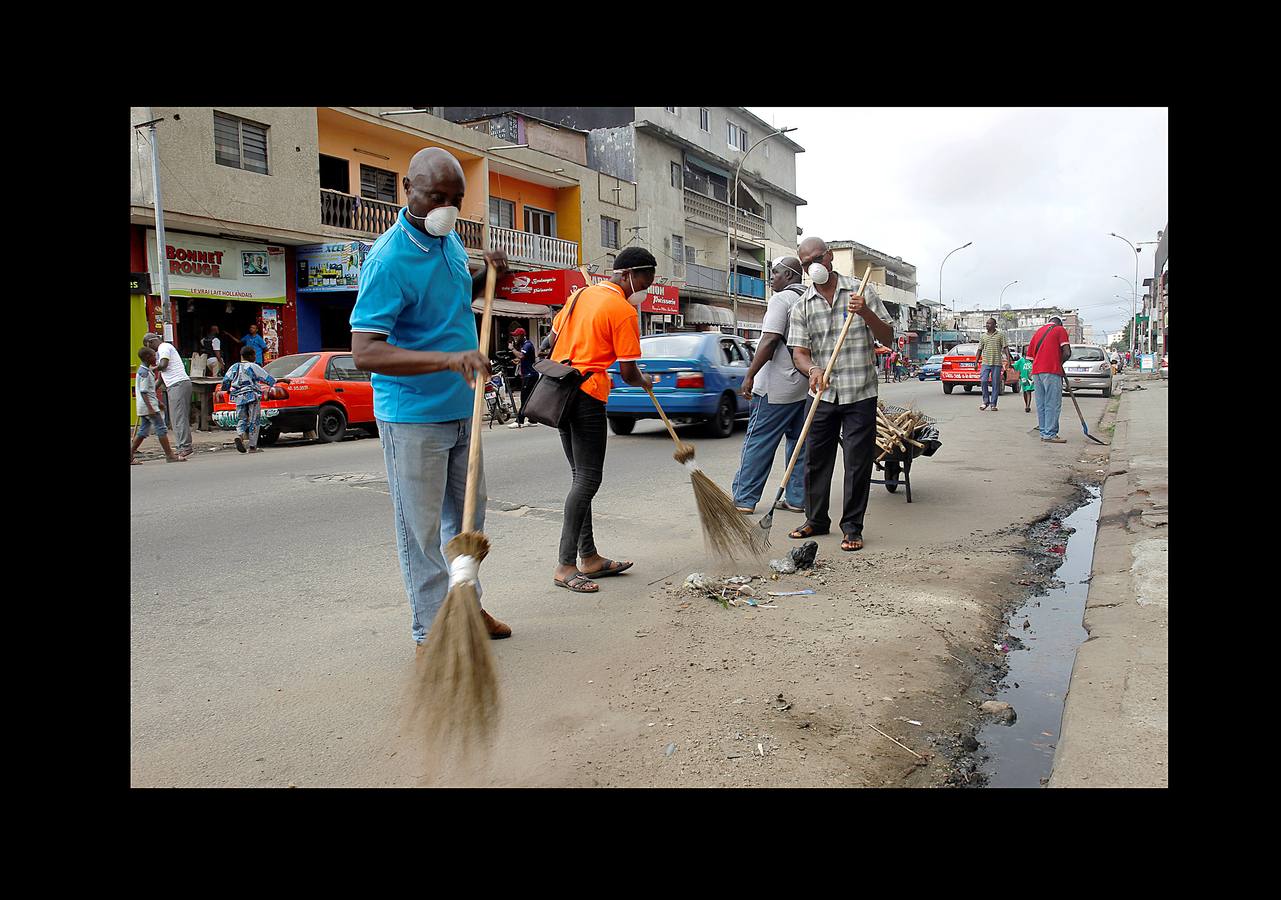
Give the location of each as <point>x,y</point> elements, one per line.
<point>339,210</point>
<point>526,247</point>
<point>709,279</point>
<point>472,233</point>
<point>715,213</point>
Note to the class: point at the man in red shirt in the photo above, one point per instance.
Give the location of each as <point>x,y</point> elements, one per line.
<point>1050,347</point>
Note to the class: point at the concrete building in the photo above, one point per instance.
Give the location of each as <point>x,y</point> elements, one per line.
<point>675,166</point>
<point>895,282</point>
<point>1021,324</point>
<point>269,211</point>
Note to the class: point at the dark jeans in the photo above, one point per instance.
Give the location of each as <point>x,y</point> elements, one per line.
<point>853,425</point>
<point>526,385</point>
<point>582,434</point>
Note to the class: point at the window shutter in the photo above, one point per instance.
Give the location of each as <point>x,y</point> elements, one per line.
<point>377,184</point>
<point>226,141</point>
<point>255,147</point>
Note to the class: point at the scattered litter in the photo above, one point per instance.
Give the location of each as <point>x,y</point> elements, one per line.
<point>671,748</point>
<point>700,582</point>
<point>803,556</point>
<point>791,593</point>
<point>760,749</point>
<point>783,566</point>
<point>1027,623</point>
<point>741,700</point>
<point>734,756</point>
<point>1059,549</point>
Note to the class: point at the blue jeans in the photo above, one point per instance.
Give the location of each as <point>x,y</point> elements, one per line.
<point>427,472</point>
<point>767,424</point>
<point>991,376</point>
<point>1049,400</point>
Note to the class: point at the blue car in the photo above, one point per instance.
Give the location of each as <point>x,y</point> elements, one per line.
<point>933,368</point>
<point>697,376</point>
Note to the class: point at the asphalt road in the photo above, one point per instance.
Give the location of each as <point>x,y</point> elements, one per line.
<point>272,645</point>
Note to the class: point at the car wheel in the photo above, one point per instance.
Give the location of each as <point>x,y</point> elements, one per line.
<point>267,436</point>
<point>1107,391</point>
<point>947,388</point>
<point>621,425</point>
<point>722,424</point>
<point>969,389</point>
<point>331,424</point>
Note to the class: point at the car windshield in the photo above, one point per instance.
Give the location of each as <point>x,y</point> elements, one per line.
<point>964,350</point>
<point>934,360</point>
<point>1087,354</point>
<point>680,346</point>
<point>291,366</point>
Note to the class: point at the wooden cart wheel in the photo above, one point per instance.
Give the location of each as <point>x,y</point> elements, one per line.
<point>891,474</point>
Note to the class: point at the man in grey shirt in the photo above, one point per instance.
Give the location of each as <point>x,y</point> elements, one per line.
<point>777,392</point>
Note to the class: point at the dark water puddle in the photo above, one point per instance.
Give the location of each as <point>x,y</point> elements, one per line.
<point>1039,662</point>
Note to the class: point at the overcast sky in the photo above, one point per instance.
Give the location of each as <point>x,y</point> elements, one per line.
<point>1036,190</point>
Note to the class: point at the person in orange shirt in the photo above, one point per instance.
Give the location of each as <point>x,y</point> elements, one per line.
<point>603,327</point>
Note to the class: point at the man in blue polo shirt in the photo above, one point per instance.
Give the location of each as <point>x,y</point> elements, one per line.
<point>413,328</point>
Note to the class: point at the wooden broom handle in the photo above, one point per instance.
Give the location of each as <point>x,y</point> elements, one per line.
<point>478,408</point>
<point>827,373</point>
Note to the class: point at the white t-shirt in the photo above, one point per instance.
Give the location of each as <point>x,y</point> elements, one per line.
<point>173,373</point>
<point>778,378</point>
<point>217,345</point>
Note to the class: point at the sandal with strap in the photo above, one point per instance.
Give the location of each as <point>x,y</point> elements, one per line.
<point>805,531</point>
<point>578,584</point>
<point>610,568</point>
<point>851,539</point>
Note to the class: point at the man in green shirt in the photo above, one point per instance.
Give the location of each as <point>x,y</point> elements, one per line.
<point>993,357</point>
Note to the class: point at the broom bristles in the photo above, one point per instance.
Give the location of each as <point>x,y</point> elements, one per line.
<point>456,694</point>
<point>726,531</point>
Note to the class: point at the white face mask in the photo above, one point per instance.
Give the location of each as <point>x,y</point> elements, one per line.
<point>818,273</point>
<point>635,298</point>
<point>439,222</point>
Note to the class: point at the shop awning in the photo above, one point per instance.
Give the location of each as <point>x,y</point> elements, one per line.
<point>702,314</point>
<point>513,309</point>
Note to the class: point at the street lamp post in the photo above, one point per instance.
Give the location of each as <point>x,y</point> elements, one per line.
<point>731,214</point>
<point>1134,300</point>
<point>1004,289</point>
<point>950,252</point>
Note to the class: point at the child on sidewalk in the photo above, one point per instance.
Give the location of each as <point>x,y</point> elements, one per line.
<point>1023,366</point>
<point>150,418</point>
<point>243,379</point>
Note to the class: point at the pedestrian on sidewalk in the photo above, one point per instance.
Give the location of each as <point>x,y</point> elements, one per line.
<point>211,346</point>
<point>413,327</point>
<point>888,362</point>
<point>178,389</point>
<point>252,339</point>
<point>1023,366</point>
<point>847,402</point>
<point>602,327</point>
<point>1050,346</point>
<point>900,366</point>
<point>150,419</point>
<point>994,357</point>
<point>777,394</point>
<point>528,374</point>
<point>242,379</point>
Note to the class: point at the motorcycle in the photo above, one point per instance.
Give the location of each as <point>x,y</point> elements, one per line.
<point>498,398</point>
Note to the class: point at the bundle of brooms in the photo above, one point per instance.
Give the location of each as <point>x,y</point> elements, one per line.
<point>894,431</point>
<point>456,696</point>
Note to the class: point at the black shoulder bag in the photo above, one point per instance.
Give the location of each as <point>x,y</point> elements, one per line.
<point>557,382</point>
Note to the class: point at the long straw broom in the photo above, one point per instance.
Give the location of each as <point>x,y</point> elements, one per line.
<point>765,524</point>
<point>457,684</point>
<point>725,531</point>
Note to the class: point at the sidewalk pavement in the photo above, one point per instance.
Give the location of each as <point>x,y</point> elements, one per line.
<point>1116,719</point>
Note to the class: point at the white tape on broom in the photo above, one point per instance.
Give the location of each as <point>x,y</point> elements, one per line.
<point>463,570</point>
<point>692,466</point>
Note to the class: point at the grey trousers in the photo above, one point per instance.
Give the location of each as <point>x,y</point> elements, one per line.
<point>180,415</point>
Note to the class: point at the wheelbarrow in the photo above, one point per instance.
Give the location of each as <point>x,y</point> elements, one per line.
<point>898,464</point>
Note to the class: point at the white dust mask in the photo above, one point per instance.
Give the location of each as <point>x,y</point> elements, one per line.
<point>818,273</point>
<point>440,221</point>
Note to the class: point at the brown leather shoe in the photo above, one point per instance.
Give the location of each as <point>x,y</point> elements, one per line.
<point>496,629</point>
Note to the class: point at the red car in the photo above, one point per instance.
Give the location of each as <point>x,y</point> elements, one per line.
<point>326,394</point>
<point>961,366</point>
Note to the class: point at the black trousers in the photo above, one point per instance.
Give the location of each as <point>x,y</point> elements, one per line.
<point>526,385</point>
<point>582,434</point>
<point>853,426</point>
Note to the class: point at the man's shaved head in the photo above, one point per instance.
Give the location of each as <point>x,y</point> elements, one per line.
<point>435,179</point>
<point>811,248</point>
<point>786,270</point>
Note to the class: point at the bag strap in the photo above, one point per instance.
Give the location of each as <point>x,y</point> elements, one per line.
<point>569,311</point>
<point>1042,340</point>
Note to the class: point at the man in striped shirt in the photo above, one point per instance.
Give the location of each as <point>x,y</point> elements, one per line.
<point>993,357</point>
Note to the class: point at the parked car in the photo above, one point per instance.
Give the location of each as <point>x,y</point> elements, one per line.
<point>933,368</point>
<point>961,366</point>
<point>327,394</point>
<point>1165,366</point>
<point>697,376</point>
<point>1088,368</point>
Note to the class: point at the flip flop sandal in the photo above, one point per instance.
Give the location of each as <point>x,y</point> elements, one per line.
<point>611,568</point>
<point>848,539</point>
<point>176,459</point>
<point>805,531</point>
<point>576,583</point>
<point>240,444</point>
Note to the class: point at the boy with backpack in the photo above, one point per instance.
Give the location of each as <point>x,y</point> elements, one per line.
<point>242,379</point>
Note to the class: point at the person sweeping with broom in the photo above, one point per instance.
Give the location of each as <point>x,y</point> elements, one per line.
<point>413,327</point>
<point>847,403</point>
<point>602,326</point>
